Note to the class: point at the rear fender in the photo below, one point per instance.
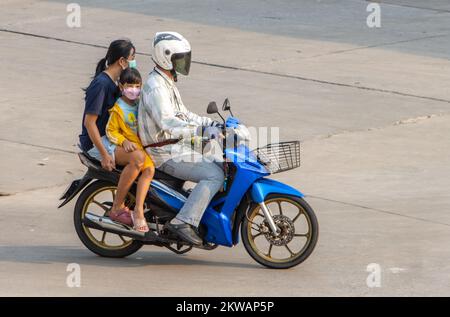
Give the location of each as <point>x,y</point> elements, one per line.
<point>74,188</point>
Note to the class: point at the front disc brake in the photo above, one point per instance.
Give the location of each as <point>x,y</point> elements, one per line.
<point>286,234</point>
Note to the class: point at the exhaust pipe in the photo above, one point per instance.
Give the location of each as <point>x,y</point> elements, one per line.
<point>105,224</point>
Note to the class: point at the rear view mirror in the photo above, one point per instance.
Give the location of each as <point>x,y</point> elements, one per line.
<point>226,105</point>
<point>212,108</point>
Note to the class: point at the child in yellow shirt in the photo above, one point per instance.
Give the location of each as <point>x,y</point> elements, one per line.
<point>122,131</point>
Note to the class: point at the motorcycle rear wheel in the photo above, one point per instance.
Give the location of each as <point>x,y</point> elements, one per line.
<point>96,240</point>
<point>254,225</point>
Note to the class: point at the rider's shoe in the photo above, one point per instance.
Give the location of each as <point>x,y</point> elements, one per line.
<point>185,232</point>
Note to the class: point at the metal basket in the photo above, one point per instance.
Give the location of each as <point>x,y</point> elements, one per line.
<point>279,157</point>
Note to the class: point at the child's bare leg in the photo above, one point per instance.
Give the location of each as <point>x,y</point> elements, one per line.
<point>133,161</point>
<point>141,191</point>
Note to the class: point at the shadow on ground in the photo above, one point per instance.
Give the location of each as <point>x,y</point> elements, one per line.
<point>43,254</point>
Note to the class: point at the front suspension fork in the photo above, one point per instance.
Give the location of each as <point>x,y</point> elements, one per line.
<point>269,218</point>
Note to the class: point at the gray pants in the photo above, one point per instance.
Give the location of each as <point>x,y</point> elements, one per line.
<point>209,177</point>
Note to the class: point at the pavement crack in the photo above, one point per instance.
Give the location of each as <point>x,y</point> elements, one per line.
<point>314,80</point>
<point>380,45</point>
<point>33,189</point>
<point>387,91</point>
<point>408,6</point>
<point>278,61</point>
<point>414,120</point>
<point>39,146</point>
<point>45,37</point>
<point>392,213</point>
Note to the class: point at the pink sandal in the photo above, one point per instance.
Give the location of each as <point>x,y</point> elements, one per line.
<point>139,224</point>
<point>122,215</point>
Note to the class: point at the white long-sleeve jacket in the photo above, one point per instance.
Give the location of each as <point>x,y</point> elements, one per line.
<point>162,116</point>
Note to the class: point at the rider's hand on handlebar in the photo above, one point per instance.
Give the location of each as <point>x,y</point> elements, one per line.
<point>108,163</point>
<point>217,124</point>
<point>129,146</point>
<point>213,133</point>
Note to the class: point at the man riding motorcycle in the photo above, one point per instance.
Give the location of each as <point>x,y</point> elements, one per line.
<point>164,122</point>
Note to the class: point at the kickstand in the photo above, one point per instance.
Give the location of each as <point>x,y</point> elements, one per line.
<point>177,251</point>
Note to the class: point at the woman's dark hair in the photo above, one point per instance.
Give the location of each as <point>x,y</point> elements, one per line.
<point>116,50</point>
<point>130,76</point>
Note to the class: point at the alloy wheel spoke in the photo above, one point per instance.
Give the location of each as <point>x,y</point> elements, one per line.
<point>105,208</point>
<point>270,251</point>
<point>256,229</point>
<point>103,237</point>
<point>298,215</point>
<point>290,251</point>
<point>256,235</point>
<point>279,207</point>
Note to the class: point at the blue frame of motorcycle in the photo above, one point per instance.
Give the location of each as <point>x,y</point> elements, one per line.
<point>249,177</point>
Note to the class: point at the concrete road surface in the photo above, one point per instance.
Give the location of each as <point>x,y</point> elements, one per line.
<point>371,106</point>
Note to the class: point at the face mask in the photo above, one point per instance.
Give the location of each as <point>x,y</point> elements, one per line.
<point>131,93</point>
<point>132,63</point>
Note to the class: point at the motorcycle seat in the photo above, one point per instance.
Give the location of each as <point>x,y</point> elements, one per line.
<point>161,176</point>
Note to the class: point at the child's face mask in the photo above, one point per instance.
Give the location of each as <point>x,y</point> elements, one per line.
<point>131,93</point>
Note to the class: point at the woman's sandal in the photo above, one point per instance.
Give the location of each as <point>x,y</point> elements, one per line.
<point>139,224</point>
<point>123,215</point>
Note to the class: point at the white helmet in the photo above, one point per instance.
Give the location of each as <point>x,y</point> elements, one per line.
<point>171,51</point>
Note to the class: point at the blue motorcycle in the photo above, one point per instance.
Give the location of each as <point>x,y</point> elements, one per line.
<point>278,228</point>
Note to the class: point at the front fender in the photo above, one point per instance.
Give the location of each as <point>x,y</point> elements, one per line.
<point>264,186</point>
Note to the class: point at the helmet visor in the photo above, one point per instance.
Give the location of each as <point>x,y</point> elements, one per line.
<point>182,62</point>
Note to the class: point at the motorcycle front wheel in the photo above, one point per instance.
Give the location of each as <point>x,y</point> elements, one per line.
<point>97,198</point>
<point>298,232</point>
